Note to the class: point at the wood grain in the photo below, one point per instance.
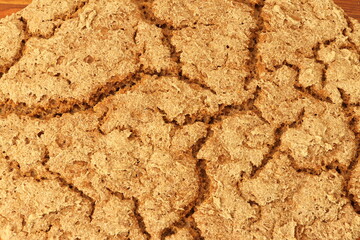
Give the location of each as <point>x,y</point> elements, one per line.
<point>21,2</point>
<point>351,7</point>
<point>7,7</point>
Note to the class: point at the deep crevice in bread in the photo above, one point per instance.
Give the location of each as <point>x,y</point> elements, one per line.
<point>347,108</point>
<point>63,182</point>
<point>58,107</point>
<point>28,35</point>
<point>278,132</point>
<point>254,57</point>
<point>202,194</point>
<point>140,219</point>
<point>115,86</point>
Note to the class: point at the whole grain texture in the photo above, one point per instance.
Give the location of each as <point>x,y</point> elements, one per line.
<point>177,120</point>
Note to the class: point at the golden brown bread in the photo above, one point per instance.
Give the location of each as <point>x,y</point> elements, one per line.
<point>176,120</point>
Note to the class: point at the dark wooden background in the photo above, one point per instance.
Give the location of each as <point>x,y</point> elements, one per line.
<point>352,7</point>
<point>8,7</point>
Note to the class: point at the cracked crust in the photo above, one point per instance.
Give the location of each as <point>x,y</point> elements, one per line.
<point>11,30</point>
<point>167,119</point>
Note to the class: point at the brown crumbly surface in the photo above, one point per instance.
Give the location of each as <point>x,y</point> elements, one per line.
<point>179,120</point>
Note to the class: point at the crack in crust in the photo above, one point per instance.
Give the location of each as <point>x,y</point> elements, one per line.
<point>254,40</point>
<point>140,219</point>
<point>28,35</point>
<point>116,85</point>
<point>318,60</point>
<point>203,193</point>
<point>92,203</point>
<point>272,150</point>
<point>346,173</point>
<point>217,117</point>
<point>58,107</point>
<point>346,34</point>
<point>63,182</point>
<point>65,106</point>
<point>67,16</point>
<point>145,7</point>
<point>306,91</point>
<point>317,172</point>
<point>63,17</point>
<point>5,68</point>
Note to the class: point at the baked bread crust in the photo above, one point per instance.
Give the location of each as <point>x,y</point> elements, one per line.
<point>169,119</point>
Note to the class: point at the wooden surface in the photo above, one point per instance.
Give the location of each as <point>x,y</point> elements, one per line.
<point>8,7</point>
<point>352,7</point>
